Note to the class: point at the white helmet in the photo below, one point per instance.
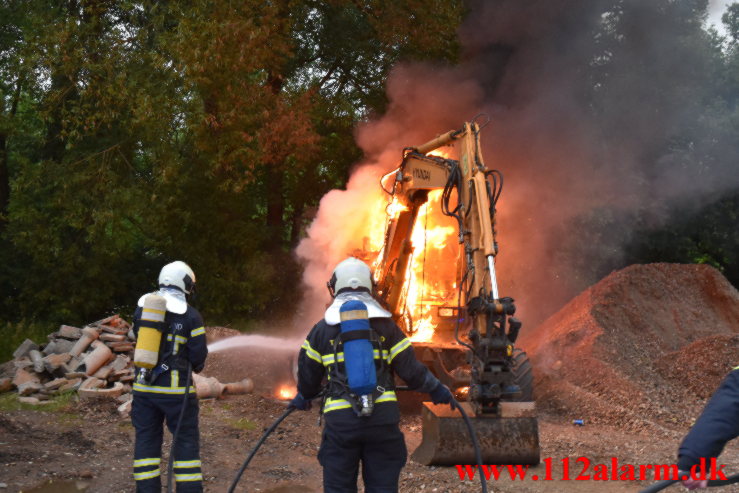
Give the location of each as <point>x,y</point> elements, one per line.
<point>350,273</point>
<point>179,275</point>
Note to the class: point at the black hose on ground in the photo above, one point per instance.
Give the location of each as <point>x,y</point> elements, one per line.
<point>712,483</point>
<point>256,447</point>
<point>475,444</point>
<point>170,465</point>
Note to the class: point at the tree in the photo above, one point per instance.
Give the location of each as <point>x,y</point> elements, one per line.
<point>134,133</point>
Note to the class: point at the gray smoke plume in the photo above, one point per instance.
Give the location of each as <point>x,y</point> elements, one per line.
<point>600,118</point>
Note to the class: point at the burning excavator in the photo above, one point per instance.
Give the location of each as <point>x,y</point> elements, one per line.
<point>435,271</point>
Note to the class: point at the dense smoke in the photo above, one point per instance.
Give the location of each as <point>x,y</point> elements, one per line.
<point>597,120</point>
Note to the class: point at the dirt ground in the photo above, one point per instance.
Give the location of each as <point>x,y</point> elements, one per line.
<point>95,448</point>
<point>634,357</point>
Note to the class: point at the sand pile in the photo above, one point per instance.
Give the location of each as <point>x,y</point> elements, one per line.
<point>644,346</point>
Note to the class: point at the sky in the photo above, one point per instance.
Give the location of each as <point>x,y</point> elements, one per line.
<point>716,9</point>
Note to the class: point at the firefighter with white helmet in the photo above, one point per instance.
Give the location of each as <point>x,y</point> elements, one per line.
<point>170,344</point>
<point>359,347</point>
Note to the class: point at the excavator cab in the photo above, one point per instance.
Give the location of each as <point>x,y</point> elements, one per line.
<point>444,295</point>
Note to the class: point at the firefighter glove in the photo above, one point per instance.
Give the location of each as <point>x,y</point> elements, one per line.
<point>442,395</point>
<point>695,484</point>
<point>300,403</point>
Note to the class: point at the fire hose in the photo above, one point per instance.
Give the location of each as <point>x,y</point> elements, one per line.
<point>475,444</point>
<point>256,447</point>
<point>711,483</point>
<point>455,404</point>
<point>170,464</point>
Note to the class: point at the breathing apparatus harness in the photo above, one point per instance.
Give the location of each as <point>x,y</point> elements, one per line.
<point>362,380</point>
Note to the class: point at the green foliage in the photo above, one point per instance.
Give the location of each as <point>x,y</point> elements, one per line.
<point>57,404</point>
<point>14,333</point>
<point>707,236</point>
<point>242,424</point>
<point>133,133</point>
<point>136,132</point>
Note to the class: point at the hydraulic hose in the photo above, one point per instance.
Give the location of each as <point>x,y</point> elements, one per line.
<point>475,444</point>
<point>267,433</point>
<point>712,483</point>
<point>170,464</point>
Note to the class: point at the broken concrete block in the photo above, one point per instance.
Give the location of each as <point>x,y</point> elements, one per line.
<point>121,362</point>
<point>101,393</point>
<point>62,346</point>
<point>55,384</point>
<point>125,409</point>
<point>69,332</point>
<point>23,363</point>
<point>49,348</point>
<point>114,330</point>
<point>29,388</point>
<point>24,348</point>
<point>58,346</point>
<point>103,373</point>
<point>32,400</point>
<point>112,337</point>
<point>6,384</point>
<point>127,378</point>
<point>92,383</point>
<point>88,335</point>
<point>207,387</point>
<point>121,347</point>
<point>73,384</point>
<point>243,387</point>
<point>96,359</point>
<point>124,397</point>
<point>22,376</point>
<point>55,362</point>
<point>111,320</point>
<point>37,359</point>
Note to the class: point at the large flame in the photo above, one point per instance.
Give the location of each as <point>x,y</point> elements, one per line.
<point>432,271</point>
<point>355,222</point>
<point>430,281</point>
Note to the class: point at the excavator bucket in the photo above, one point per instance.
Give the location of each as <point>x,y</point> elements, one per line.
<point>512,437</point>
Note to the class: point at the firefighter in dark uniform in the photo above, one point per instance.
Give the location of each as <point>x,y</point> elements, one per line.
<point>357,431</point>
<point>717,424</point>
<point>159,394</point>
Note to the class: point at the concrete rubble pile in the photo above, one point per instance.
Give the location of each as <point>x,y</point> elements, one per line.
<point>96,361</point>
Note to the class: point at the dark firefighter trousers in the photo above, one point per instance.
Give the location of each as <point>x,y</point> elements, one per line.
<point>148,413</point>
<point>381,449</point>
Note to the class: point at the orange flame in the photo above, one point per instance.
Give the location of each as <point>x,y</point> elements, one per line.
<point>432,268</point>
<point>286,392</point>
<point>431,278</point>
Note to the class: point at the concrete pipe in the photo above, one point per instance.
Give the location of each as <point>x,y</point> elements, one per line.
<point>88,335</point>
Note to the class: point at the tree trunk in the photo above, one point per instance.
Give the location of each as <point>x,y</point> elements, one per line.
<point>275,204</point>
<point>4,167</point>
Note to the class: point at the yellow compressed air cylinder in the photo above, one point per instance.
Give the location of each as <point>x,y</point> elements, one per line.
<point>146,354</point>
